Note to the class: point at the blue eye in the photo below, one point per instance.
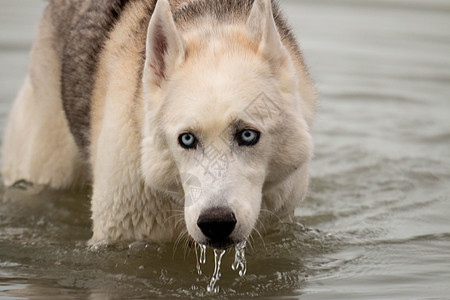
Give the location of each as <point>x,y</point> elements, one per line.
<point>248,137</point>
<point>187,141</point>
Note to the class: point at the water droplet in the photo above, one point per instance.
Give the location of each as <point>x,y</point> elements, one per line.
<point>99,246</point>
<point>197,258</point>
<point>218,254</point>
<point>202,254</point>
<point>239,259</point>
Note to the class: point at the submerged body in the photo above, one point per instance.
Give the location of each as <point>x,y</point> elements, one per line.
<point>201,106</point>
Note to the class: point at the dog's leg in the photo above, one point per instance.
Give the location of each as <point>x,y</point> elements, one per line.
<point>122,207</point>
<point>38,146</point>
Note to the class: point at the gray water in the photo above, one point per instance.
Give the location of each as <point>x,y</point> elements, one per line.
<point>376,223</point>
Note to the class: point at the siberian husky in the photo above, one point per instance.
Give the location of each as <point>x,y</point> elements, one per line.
<point>186,116</point>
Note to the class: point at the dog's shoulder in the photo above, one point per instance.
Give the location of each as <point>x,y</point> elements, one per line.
<point>81,28</point>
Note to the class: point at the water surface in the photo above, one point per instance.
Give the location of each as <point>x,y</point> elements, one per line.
<point>376,223</point>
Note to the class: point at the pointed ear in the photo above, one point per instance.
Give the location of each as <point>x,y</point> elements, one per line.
<point>165,46</point>
<point>261,27</point>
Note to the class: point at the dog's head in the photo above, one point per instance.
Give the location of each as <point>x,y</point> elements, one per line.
<point>223,124</point>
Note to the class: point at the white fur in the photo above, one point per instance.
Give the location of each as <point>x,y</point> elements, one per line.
<point>37,145</point>
<point>207,80</point>
<point>204,95</point>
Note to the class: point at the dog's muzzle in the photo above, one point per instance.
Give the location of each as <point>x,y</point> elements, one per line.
<point>217,224</point>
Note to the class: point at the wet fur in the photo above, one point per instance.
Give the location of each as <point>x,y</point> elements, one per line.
<point>80,114</point>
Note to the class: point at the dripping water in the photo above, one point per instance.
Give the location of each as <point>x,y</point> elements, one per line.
<point>239,259</point>
<point>212,288</point>
<point>201,260</point>
<point>239,264</point>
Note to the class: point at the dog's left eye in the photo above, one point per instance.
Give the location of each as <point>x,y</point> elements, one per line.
<point>248,137</point>
<point>187,141</point>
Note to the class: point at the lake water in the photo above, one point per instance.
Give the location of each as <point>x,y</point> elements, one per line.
<point>376,223</point>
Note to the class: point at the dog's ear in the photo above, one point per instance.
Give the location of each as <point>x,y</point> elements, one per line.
<point>262,29</point>
<point>165,46</point>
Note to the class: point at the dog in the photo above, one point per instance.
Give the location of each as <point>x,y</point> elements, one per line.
<point>185,116</point>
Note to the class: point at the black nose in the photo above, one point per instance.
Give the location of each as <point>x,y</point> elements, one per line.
<point>217,223</point>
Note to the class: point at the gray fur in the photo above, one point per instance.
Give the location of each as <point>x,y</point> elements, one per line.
<point>83,26</point>
<point>82,43</point>
<point>231,11</point>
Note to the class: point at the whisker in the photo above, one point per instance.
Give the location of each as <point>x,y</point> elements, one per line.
<point>173,209</point>
<point>272,214</point>
<point>173,216</point>
<point>181,221</point>
<point>186,247</point>
<point>262,240</point>
<point>179,238</point>
<point>261,224</point>
<point>250,242</point>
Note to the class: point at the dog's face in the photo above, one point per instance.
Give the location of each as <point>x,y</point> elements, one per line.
<point>222,122</point>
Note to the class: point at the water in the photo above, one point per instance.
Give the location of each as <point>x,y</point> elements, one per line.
<point>240,264</point>
<point>200,258</point>
<point>376,223</point>
<point>212,288</point>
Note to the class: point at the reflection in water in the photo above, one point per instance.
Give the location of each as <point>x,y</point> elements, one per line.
<point>379,186</point>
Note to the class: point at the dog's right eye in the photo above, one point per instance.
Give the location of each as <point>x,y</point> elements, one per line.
<point>187,141</point>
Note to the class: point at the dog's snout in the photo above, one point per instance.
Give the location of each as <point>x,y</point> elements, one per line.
<point>217,223</point>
